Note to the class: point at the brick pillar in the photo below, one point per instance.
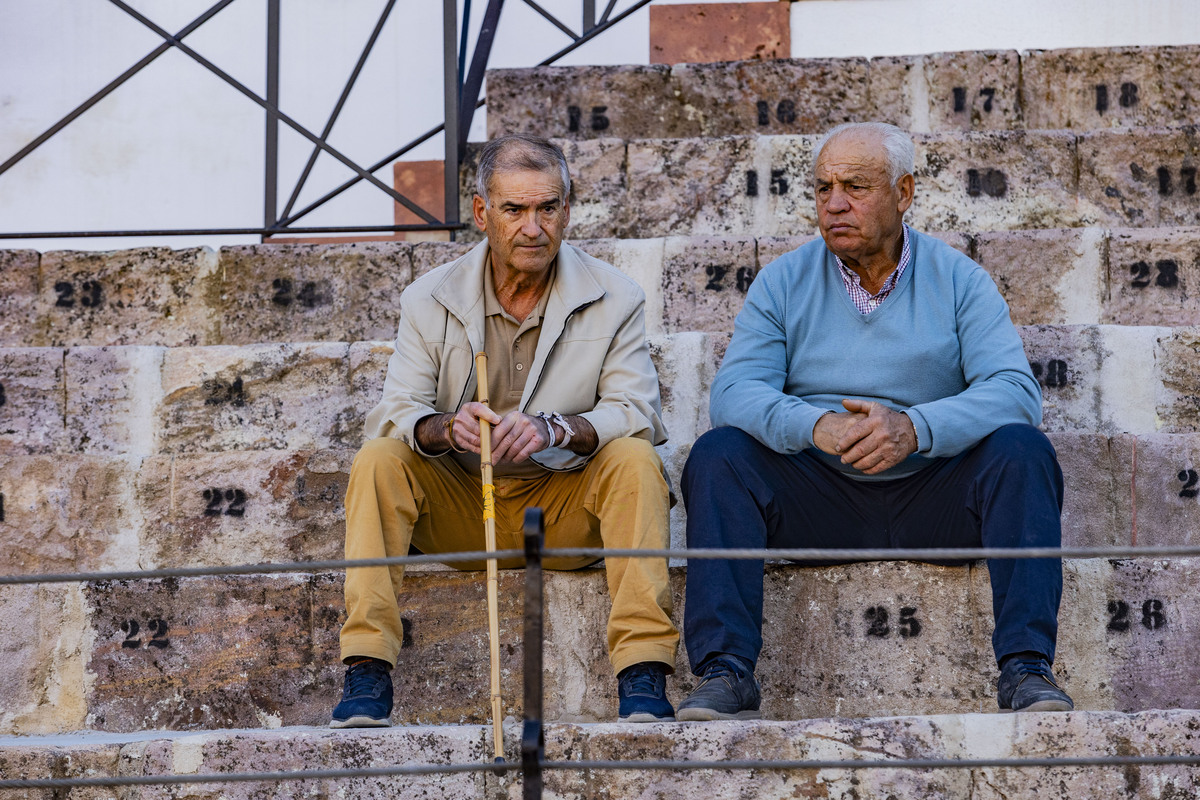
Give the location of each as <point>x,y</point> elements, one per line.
<point>699,33</point>
<point>423,182</point>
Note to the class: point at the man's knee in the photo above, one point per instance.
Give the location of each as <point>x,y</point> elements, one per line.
<point>1020,443</point>
<point>719,452</point>
<point>383,452</point>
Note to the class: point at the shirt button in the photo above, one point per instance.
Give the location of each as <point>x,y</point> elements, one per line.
<point>520,367</point>
<point>516,341</point>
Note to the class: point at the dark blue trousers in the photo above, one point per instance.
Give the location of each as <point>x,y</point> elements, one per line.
<point>1005,492</point>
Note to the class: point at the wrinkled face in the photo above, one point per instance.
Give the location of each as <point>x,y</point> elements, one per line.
<point>859,211</point>
<point>524,221</point>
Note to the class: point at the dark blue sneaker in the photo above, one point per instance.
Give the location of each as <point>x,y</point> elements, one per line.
<point>366,696</point>
<point>643,692</point>
<point>1027,684</point>
<point>727,690</point>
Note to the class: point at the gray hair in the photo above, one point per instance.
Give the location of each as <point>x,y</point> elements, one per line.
<point>520,152</point>
<point>901,155</point>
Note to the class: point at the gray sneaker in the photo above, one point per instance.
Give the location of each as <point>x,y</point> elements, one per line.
<point>727,690</point>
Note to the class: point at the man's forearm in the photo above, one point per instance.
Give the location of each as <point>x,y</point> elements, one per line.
<point>431,434</point>
<point>583,441</point>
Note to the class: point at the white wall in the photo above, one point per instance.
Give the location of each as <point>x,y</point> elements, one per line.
<point>177,148</point>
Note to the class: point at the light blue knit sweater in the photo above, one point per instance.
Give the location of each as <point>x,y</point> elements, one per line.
<point>941,347</point>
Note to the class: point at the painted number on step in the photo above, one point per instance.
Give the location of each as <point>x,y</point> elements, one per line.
<point>3,397</point>
<point>1168,184</point>
<point>1,507</point>
<point>224,502</point>
<point>1127,96</point>
<point>717,278</point>
<point>1188,478</point>
<point>1163,273</point>
<point>960,99</point>
<point>286,294</point>
<point>1154,615</point>
<point>597,120</point>
<point>218,393</point>
<point>785,112</point>
<point>879,626</point>
<point>990,182</point>
<point>88,294</point>
<point>135,637</point>
<point>779,182</point>
<point>1053,374</point>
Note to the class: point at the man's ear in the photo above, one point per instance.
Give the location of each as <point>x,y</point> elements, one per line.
<point>907,186</point>
<point>479,209</point>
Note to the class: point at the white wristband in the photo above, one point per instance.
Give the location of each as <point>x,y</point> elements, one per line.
<point>557,417</point>
<point>544,417</point>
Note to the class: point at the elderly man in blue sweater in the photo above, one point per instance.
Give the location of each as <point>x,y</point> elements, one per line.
<point>875,394</point>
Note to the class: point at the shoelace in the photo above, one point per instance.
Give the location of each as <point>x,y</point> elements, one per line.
<point>722,668</point>
<point>362,680</point>
<point>1026,667</point>
<point>644,680</point>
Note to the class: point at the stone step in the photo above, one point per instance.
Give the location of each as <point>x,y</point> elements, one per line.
<point>145,401</point>
<point>861,640</point>
<point>91,513</point>
<point>1081,89</point>
<point>979,180</point>
<point>955,736</point>
<point>1128,276</point>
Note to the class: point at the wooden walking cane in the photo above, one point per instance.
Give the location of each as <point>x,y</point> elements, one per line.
<point>489,533</point>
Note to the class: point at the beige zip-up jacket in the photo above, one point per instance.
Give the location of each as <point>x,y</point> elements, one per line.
<point>592,358</point>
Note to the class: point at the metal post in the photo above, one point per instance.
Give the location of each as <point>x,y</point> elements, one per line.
<point>450,86</point>
<point>533,737</point>
<point>474,80</point>
<point>589,16</point>
<point>271,177</point>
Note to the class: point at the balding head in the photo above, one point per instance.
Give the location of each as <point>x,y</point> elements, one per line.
<point>896,144</point>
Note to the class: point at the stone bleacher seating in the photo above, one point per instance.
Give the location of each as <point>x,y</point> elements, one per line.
<point>165,408</point>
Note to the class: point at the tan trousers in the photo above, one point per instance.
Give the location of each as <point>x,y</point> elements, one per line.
<point>618,500</point>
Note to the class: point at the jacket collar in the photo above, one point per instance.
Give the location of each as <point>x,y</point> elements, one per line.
<point>461,292</point>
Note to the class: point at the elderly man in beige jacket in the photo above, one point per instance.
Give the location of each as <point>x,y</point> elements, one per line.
<point>575,408</point>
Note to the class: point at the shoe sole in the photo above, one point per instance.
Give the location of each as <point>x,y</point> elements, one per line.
<point>644,717</point>
<point>360,722</point>
<point>1041,705</point>
<point>711,714</point>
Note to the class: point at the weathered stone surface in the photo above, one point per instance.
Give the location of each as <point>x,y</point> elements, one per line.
<point>309,292</point>
<point>1178,406</point>
<point>427,255</point>
<point>441,675</point>
<point>244,508</point>
<point>1102,378</point>
<point>211,653</point>
<point>32,400</point>
<point>769,97</point>
<point>1048,276</point>
<point>148,296</point>
<point>704,281</point>
<point>641,260</point>
<point>589,102</point>
<point>996,180</point>
<point>264,397</point>
<point>112,394</point>
<point>976,90</point>
<point>1165,489</point>
<point>770,248</point>
<point>1098,488</point>
<point>1112,87</point>
<point>73,513</point>
<point>368,368</point>
<point>1144,177</point>
<point>699,32</point>
<point>19,321</point>
<point>1127,633</point>
<point>692,186</point>
<point>1153,277</point>
<point>44,640</point>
